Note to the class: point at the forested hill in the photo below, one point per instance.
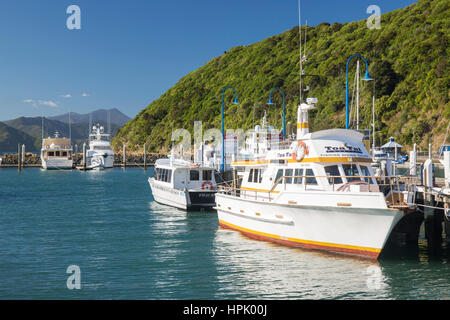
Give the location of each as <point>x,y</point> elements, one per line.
<point>408,57</point>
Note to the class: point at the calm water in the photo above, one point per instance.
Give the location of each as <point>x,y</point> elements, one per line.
<point>129,247</point>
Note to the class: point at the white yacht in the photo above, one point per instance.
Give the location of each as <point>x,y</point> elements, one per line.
<point>56,153</point>
<point>184,184</point>
<point>99,155</point>
<point>319,192</point>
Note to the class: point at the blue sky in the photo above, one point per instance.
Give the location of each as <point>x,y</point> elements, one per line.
<point>129,52</point>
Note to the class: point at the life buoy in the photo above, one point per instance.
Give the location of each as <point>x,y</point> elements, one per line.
<point>300,151</point>
<point>207,183</point>
<point>47,147</point>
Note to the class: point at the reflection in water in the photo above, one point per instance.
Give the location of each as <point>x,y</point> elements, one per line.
<point>130,247</point>
<point>256,269</point>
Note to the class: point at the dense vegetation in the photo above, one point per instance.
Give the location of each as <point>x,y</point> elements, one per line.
<point>408,57</point>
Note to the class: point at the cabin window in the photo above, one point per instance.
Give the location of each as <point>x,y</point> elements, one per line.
<point>194,175</point>
<point>298,173</point>
<point>279,174</point>
<point>288,173</point>
<point>365,172</point>
<point>250,176</point>
<point>57,153</point>
<point>164,175</point>
<point>260,175</point>
<point>255,175</point>
<point>207,175</point>
<point>169,175</point>
<point>51,153</point>
<point>351,171</point>
<point>310,177</point>
<point>64,154</point>
<point>333,171</point>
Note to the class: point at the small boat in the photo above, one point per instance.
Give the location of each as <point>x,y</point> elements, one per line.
<point>56,153</point>
<point>183,184</point>
<point>99,155</point>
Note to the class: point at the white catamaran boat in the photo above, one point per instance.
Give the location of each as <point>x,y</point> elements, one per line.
<point>184,184</point>
<point>99,155</point>
<point>56,153</point>
<point>319,192</point>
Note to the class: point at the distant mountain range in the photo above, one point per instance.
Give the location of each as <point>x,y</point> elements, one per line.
<point>115,116</point>
<point>28,130</point>
<point>11,137</point>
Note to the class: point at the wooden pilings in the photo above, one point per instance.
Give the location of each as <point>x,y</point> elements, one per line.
<point>84,156</point>
<point>76,155</point>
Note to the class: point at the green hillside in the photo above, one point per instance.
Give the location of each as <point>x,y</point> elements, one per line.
<point>11,137</point>
<point>408,57</point>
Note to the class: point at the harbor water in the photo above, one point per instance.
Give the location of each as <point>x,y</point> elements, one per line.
<point>127,246</point>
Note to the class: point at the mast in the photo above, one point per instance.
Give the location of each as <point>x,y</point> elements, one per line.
<point>42,128</point>
<point>357,95</point>
<point>300,42</point>
<point>70,131</point>
<point>109,121</point>
<point>373,124</point>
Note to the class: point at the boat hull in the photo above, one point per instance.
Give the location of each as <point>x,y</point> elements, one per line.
<point>105,161</point>
<point>57,164</point>
<point>352,231</point>
<point>182,199</point>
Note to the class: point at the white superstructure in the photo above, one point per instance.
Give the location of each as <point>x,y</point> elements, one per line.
<point>318,192</point>
<point>56,153</point>
<point>99,155</point>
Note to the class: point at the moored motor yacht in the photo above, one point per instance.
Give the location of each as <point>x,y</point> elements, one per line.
<point>99,155</point>
<point>318,193</point>
<point>56,153</point>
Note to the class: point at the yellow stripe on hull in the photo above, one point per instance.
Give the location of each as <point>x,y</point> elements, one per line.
<point>370,251</point>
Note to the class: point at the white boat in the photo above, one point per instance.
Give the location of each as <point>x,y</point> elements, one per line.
<point>56,153</point>
<point>318,193</point>
<point>183,184</point>
<point>99,155</point>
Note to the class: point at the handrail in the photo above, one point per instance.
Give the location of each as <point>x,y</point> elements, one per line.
<point>393,181</point>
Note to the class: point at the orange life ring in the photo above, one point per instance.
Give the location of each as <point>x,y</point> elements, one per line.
<point>301,144</point>
<point>207,183</point>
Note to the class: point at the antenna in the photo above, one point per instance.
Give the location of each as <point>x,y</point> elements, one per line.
<point>306,28</point>
<point>90,122</point>
<point>42,127</point>
<point>109,121</point>
<point>70,130</point>
<point>300,42</point>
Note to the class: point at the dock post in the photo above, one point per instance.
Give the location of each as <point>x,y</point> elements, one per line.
<point>433,220</point>
<point>18,158</point>
<point>84,156</point>
<point>145,156</point>
<point>23,156</point>
<point>413,161</point>
<point>124,160</point>
<point>76,155</point>
<point>447,168</point>
<point>429,151</point>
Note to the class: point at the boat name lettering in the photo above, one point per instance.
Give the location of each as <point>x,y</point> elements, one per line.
<point>345,148</point>
<point>284,155</point>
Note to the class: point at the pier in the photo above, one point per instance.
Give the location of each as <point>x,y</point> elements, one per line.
<point>32,160</point>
